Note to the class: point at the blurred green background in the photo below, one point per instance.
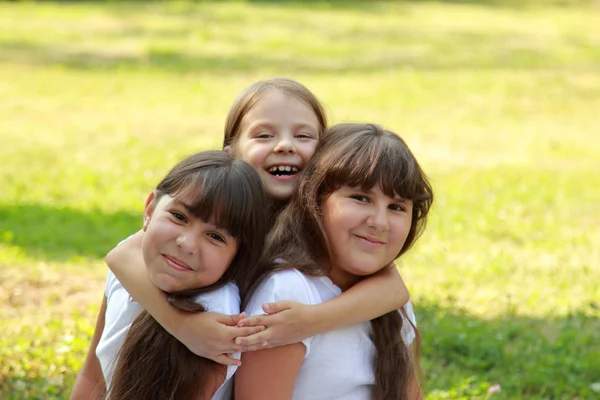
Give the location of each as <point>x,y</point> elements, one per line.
<point>499,100</point>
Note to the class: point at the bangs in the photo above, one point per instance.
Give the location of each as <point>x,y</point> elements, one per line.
<point>371,160</point>
<point>223,197</point>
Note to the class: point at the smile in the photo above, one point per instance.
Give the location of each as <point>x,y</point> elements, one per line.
<point>283,170</point>
<point>369,241</point>
<point>176,264</point>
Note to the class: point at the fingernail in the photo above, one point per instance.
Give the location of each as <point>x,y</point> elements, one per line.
<point>239,341</point>
<point>267,308</point>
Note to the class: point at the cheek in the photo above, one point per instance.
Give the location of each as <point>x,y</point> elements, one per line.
<point>399,232</point>
<point>307,150</point>
<point>252,153</point>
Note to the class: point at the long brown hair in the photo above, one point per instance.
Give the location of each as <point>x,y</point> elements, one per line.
<point>361,155</point>
<point>255,92</point>
<point>152,364</point>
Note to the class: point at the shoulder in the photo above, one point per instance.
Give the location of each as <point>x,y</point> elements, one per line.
<point>112,284</point>
<point>224,300</point>
<point>289,284</point>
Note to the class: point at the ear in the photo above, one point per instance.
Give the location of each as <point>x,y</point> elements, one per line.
<point>149,209</point>
<point>227,149</point>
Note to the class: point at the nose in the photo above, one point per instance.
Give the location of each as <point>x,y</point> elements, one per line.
<point>188,242</point>
<point>285,145</point>
<point>378,219</point>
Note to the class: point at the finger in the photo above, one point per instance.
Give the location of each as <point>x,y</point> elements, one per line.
<point>230,320</point>
<point>252,321</point>
<point>250,330</point>
<point>256,339</point>
<point>227,360</point>
<point>259,346</point>
<point>272,308</point>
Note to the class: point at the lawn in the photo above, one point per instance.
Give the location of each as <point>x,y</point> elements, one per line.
<point>500,105</point>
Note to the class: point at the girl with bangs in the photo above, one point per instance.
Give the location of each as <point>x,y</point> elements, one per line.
<point>203,234</point>
<point>274,125</point>
<point>361,203</point>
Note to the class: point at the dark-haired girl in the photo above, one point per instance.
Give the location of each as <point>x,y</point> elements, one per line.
<point>361,203</point>
<point>203,234</point>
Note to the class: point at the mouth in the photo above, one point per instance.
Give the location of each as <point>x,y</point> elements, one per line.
<point>283,170</point>
<point>176,264</point>
<point>370,240</point>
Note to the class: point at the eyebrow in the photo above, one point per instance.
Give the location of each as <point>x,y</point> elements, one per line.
<point>265,124</point>
<point>190,210</point>
<point>397,198</point>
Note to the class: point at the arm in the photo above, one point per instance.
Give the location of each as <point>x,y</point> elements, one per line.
<point>414,388</point>
<point>205,334</point>
<point>290,322</point>
<point>270,373</point>
<point>90,380</point>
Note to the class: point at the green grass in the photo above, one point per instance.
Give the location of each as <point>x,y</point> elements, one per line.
<point>500,104</point>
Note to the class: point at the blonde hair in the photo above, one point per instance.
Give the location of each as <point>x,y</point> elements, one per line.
<point>255,92</point>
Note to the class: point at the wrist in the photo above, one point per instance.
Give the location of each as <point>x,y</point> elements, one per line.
<point>317,318</point>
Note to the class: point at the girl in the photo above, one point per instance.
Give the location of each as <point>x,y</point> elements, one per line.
<point>361,203</point>
<point>204,227</point>
<point>275,126</point>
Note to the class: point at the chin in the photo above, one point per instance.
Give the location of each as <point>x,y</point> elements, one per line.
<point>167,285</point>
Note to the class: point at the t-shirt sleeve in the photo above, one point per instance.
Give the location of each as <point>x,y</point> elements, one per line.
<point>225,300</point>
<point>408,332</point>
<point>284,285</point>
<point>111,280</point>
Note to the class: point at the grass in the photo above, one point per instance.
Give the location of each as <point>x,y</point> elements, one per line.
<point>499,104</point>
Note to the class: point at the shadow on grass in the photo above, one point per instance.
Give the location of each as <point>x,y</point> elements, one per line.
<point>462,357</point>
<point>497,53</point>
<point>59,234</point>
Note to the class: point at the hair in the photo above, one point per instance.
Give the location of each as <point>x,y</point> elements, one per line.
<point>255,92</point>
<point>361,155</point>
<point>152,364</point>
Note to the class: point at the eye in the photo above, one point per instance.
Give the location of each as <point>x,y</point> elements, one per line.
<point>397,207</point>
<point>304,135</point>
<point>263,135</point>
<point>217,236</point>
<point>179,216</point>
<point>360,197</point>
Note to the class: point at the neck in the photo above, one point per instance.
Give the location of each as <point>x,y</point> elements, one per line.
<point>343,279</point>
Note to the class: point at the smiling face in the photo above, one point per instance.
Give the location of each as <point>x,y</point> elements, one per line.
<point>365,231</point>
<point>278,137</point>
<point>180,250</point>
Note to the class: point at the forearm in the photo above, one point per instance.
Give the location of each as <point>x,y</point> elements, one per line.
<point>89,383</point>
<point>370,298</point>
<point>88,388</point>
<point>129,268</point>
<point>269,374</point>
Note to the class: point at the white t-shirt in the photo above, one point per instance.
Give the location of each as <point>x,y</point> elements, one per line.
<point>121,310</point>
<point>337,364</point>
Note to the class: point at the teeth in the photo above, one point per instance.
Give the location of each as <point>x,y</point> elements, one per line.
<point>282,168</point>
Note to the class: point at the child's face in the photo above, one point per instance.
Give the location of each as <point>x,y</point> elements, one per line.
<point>365,231</point>
<point>278,137</point>
<point>181,251</point>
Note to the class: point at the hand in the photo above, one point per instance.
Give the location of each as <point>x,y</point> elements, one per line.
<point>212,335</point>
<point>286,322</point>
